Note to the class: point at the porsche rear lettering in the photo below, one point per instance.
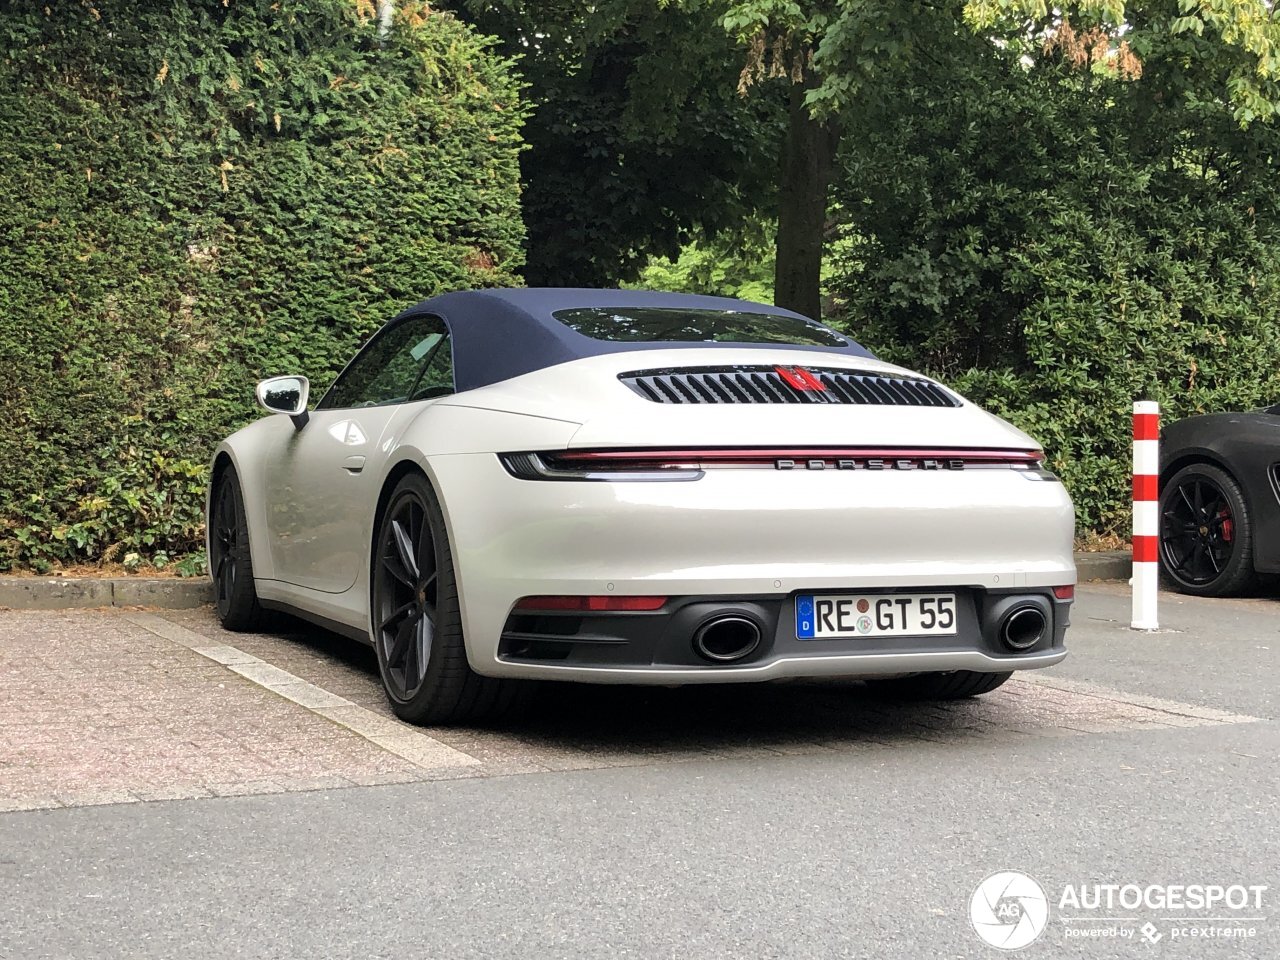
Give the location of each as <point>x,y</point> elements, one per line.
<point>872,463</point>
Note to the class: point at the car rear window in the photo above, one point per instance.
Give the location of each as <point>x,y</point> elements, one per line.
<point>659,324</point>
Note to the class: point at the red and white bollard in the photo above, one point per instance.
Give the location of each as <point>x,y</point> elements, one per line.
<point>1146,513</point>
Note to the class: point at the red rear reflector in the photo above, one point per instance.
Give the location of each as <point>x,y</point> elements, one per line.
<point>1065,593</point>
<point>591,603</point>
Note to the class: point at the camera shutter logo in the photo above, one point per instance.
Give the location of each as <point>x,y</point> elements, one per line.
<point>1009,910</point>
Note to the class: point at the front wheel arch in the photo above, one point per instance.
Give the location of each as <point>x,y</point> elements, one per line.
<point>235,594</point>
<point>221,464</point>
<point>1193,459</point>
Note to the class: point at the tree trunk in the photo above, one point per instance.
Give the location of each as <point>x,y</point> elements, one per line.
<point>807,159</point>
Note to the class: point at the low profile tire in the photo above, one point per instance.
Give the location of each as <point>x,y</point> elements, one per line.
<point>416,621</point>
<point>230,564</point>
<point>956,685</point>
<point>1206,533</point>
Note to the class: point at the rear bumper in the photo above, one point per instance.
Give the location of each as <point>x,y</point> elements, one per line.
<point>755,537</point>
<point>847,666</point>
<point>657,646</point>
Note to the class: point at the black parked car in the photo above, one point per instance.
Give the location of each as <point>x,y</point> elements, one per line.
<point>1220,501</point>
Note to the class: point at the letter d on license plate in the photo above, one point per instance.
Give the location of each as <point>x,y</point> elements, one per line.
<point>836,616</point>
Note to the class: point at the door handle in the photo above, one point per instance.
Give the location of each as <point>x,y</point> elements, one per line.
<point>353,464</point>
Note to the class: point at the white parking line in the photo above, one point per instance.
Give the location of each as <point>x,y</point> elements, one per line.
<point>404,741</point>
<point>1178,714</point>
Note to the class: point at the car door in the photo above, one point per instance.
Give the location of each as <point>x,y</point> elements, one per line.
<point>322,485</point>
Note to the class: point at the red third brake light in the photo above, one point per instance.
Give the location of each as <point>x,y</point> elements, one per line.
<point>800,379</point>
<point>614,604</point>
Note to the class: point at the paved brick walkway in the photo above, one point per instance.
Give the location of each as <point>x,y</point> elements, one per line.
<point>104,707</point>
<point>94,709</point>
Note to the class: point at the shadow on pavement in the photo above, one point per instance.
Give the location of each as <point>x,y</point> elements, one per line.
<point>636,719</point>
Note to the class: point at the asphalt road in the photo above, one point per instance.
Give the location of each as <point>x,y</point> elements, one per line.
<point>840,852</point>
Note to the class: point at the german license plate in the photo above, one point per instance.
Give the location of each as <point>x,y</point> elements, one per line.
<point>832,617</point>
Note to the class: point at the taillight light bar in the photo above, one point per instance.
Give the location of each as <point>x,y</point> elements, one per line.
<point>691,464</point>
<point>555,466</point>
<point>768,455</point>
<point>588,604</point>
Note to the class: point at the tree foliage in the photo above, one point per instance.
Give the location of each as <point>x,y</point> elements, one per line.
<point>637,138</point>
<point>1246,34</point>
<point>734,263</point>
<point>1058,245</point>
<point>847,42</point>
<point>197,194</point>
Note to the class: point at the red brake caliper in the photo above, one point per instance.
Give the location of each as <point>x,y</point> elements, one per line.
<point>1225,516</point>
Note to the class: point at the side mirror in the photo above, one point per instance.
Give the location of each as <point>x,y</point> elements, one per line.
<point>287,395</point>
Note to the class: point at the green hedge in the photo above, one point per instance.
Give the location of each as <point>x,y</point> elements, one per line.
<point>1056,252</point>
<point>195,194</point>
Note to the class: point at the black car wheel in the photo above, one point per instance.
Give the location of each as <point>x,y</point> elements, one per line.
<point>1206,536</point>
<point>230,564</point>
<point>416,620</point>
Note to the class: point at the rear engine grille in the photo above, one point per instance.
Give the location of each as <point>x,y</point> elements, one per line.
<point>742,384</point>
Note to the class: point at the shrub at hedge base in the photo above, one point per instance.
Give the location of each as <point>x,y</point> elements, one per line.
<point>196,195</point>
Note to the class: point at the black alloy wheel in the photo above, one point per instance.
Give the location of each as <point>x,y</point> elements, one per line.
<point>406,596</point>
<point>230,563</point>
<point>1206,540</point>
<point>416,620</point>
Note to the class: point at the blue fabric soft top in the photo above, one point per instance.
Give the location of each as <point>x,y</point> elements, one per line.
<point>503,333</point>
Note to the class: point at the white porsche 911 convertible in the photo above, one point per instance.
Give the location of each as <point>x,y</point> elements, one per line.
<point>629,487</point>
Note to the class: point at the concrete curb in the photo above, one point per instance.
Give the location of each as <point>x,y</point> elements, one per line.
<point>69,593</point>
<point>172,593</point>
<point>1104,565</point>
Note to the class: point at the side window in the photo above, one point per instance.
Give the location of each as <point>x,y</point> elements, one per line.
<point>437,376</point>
<point>386,370</point>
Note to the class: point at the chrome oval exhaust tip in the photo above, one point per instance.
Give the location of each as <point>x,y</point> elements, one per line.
<point>1023,628</point>
<point>727,638</point>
